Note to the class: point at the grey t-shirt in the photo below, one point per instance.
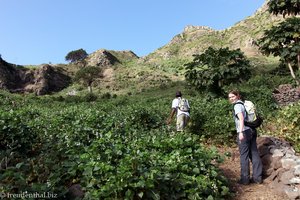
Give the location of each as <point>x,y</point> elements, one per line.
<point>239,108</point>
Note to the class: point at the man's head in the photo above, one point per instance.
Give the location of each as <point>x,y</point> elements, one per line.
<point>178,94</point>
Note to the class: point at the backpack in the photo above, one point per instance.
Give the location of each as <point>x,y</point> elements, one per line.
<point>183,105</point>
<point>253,119</point>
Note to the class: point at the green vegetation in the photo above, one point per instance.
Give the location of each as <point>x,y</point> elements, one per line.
<point>120,148</point>
<point>115,148</point>
<point>76,55</point>
<point>284,7</point>
<point>216,68</point>
<point>287,125</point>
<point>88,75</point>
<point>284,40</point>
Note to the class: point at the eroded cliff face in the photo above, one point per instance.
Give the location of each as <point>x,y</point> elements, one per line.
<point>41,81</point>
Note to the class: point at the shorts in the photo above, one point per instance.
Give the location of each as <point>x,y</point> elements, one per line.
<point>182,121</point>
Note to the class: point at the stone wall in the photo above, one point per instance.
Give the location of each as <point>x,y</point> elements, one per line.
<point>281,166</point>
<point>286,94</point>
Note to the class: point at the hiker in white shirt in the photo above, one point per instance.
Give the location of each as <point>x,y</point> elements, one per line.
<point>182,108</point>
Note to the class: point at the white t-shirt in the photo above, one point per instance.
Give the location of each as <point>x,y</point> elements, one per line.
<point>175,104</point>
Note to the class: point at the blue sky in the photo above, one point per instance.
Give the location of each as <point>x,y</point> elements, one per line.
<point>44,31</point>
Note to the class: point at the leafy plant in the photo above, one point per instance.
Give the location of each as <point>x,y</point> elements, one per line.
<point>284,7</point>
<point>283,41</point>
<point>113,148</point>
<point>150,166</point>
<point>15,132</point>
<point>214,69</point>
<point>287,123</point>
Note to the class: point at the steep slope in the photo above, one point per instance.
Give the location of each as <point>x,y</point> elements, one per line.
<point>124,71</point>
<point>43,80</point>
<point>196,39</point>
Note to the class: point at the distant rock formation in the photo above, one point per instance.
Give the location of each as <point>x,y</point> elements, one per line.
<point>46,80</point>
<point>41,81</point>
<point>9,75</point>
<point>191,28</point>
<point>101,58</point>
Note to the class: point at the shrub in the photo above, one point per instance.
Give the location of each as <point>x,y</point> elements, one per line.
<point>16,134</point>
<point>89,97</point>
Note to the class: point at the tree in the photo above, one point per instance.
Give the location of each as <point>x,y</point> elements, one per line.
<point>283,41</point>
<point>284,7</point>
<point>88,75</point>
<point>216,68</point>
<point>76,56</point>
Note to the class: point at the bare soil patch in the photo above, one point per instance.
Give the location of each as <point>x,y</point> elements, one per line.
<point>231,169</point>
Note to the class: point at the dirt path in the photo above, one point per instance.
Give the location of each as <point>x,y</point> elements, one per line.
<point>231,169</point>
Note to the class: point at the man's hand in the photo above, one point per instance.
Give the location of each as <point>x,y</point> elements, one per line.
<point>168,121</point>
<point>173,111</point>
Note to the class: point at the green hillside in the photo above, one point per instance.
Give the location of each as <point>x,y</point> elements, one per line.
<point>196,39</point>
<point>166,64</point>
<point>114,143</point>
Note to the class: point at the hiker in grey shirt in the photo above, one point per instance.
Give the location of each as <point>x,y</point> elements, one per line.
<point>246,140</point>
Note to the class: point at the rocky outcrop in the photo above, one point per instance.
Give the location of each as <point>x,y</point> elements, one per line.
<point>101,58</point>
<point>191,28</point>
<point>9,78</point>
<point>43,80</point>
<point>281,166</point>
<point>286,94</point>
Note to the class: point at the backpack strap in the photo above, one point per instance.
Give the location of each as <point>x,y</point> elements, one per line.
<point>179,100</point>
<point>241,104</point>
<point>184,101</point>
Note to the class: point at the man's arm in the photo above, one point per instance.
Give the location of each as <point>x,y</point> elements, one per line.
<point>173,111</point>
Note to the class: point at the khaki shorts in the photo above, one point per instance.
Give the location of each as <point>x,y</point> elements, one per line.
<point>182,121</point>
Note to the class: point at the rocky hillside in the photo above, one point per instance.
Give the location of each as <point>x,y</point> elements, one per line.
<point>43,80</point>
<point>105,58</point>
<point>124,71</point>
<point>196,39</point>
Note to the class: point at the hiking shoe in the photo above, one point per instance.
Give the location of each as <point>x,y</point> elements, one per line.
<point>256,182</point>
<point>243,182</point>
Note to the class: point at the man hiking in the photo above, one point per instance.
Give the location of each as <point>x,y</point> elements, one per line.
<point>182,108</point>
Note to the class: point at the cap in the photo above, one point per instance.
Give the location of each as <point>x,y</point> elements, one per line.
<point>178,94</point>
